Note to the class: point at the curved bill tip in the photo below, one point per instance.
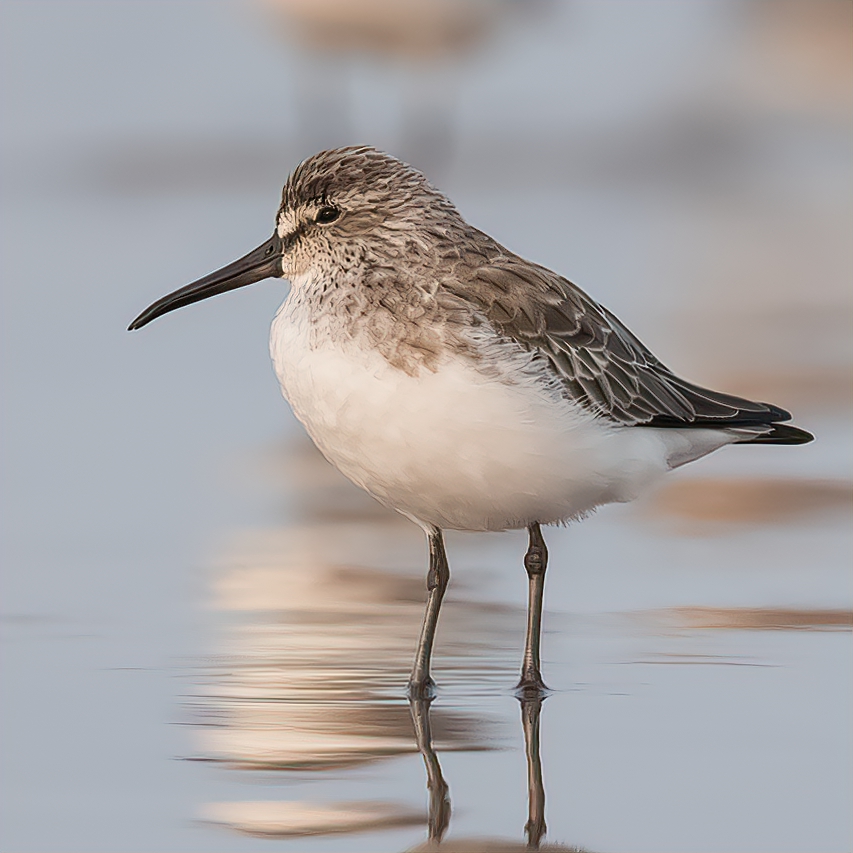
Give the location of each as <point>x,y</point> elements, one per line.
<point>263,262</point>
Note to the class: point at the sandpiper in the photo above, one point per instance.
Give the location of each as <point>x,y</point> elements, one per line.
<point>457,383</point>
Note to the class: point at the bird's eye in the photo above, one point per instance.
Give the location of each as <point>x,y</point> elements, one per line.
<point>327,214</point>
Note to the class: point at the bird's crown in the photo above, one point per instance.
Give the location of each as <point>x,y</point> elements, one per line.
<point>357,173</point>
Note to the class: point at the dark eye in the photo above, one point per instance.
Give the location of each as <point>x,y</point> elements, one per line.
<point>327,214</point>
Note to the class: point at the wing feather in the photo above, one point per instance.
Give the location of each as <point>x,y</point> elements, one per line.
<point>600,363</point>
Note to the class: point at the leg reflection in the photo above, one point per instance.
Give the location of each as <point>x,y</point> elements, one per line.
<point>531,707</point>
<point>439,799</point>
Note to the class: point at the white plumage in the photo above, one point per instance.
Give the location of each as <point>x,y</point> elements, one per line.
<point>465,446</point>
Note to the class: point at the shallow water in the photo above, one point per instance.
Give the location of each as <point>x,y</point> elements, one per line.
<point>693,706</point>
<point>206,632</point>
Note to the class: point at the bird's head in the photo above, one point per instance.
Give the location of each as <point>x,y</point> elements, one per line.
<point>339,209</point>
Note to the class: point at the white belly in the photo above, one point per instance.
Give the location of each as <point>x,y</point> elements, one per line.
<point>456,448</point>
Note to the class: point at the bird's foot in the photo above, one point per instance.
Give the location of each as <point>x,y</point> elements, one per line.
<point>535,831</point>
<point>421,688</point>
<point>531,686</point>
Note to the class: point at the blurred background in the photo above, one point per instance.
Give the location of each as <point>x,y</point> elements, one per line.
<point>206,631</point>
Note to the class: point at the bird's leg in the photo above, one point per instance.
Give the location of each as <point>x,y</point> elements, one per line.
<point>535,562</point>
<point>421,686</point>
<point>439,798</point>
<point>531,706</point>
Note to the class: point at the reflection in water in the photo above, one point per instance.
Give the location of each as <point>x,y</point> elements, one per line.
<point>273,819</point>
<point>439,794</point>
<point>700,503</point>
<point>758,618</point>
<point>439,797</point>
<point>531,708</point>
<point>312,679</point>
<point>311,683</point>
<point>311,676</point>
<point>322,622</point>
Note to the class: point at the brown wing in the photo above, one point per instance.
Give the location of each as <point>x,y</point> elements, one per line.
<point>601,364</point>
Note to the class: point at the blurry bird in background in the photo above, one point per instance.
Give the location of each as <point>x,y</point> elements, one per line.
<point>417,45</point>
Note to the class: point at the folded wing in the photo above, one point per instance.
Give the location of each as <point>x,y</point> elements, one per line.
<point>599,362</point>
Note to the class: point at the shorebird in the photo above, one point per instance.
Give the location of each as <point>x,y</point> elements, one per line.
<point>458,383</point>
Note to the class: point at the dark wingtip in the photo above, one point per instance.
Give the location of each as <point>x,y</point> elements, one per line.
<point>783,434</point>
<point>778,414</point>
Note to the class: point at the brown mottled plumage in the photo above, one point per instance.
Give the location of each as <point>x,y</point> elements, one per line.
<point>455,275</point>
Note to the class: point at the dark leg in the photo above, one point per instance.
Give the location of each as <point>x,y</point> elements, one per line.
<point>535,561</point>
<point>439,799</point>
<point>535,826</point>
<point>421,686</point>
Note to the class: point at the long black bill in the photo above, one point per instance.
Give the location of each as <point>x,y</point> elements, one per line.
<point>263,262</point>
